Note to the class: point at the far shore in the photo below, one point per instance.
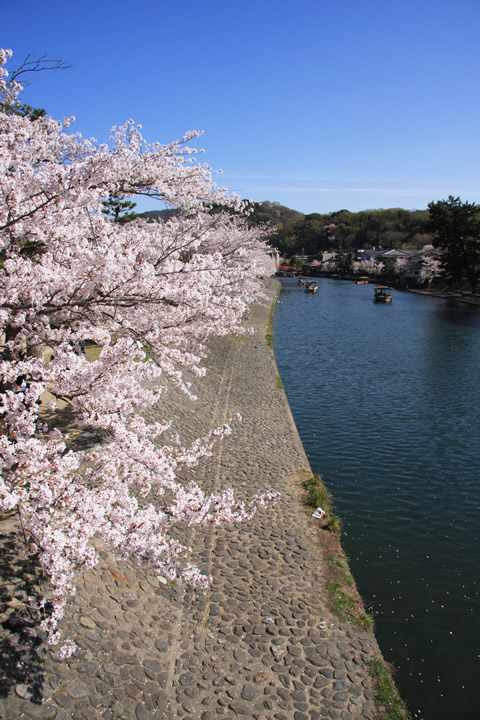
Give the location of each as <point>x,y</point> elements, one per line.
<point>463,296</point>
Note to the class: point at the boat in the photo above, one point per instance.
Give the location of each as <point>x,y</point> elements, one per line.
<point>382,293</point>
<point>311,287</point>
<point>361,281</point>
<point>302,281</point>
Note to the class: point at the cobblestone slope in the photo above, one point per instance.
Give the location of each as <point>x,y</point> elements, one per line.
<point>261,642</point>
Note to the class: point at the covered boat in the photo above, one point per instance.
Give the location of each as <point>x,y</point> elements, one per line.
<point>382,294</point>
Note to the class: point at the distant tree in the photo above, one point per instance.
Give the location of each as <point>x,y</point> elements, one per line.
<point>119,210</point>
<point>163,215</point>
<point>30,112</point>
<point>456,233</point>
<point>340,230</point>
<point>389,266</point>
<point>431,265</point>
<point>368,267</point>
<point>19,78</point>
<point>285,224</point>
<point>343,262</point>
<point>311,235</point>
<point>329,265</point>
<point>401,265</point>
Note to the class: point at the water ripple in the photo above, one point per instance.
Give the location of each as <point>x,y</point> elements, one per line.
<point>387,403</point>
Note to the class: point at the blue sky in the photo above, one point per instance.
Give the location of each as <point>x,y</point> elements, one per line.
<point>318,105</point>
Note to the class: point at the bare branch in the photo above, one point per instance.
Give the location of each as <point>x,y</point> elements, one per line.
<point>33,65</point>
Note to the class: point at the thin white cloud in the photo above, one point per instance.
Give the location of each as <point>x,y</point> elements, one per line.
<point>420,192</point>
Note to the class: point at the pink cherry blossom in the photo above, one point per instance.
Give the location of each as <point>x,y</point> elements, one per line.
<point>431,264</point>
<point>148,295</point>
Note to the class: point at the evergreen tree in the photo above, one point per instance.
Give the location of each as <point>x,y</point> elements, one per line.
<point>119,210</point>
<point>456,233</point>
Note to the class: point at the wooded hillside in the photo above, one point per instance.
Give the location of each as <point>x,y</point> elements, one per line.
<point>297,233</point>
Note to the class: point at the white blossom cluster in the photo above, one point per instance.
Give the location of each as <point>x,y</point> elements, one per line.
<point>148,295</point>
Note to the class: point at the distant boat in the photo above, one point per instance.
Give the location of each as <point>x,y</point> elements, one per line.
<point>361,281</point>
<point>382,294</point>
<point>311,287</point>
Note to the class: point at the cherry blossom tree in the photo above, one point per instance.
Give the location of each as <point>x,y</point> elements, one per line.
<point>431,263</point>
<point>329,265</point>
<point>370,267</point>
<point>401,265</point>
<point>148,295</point>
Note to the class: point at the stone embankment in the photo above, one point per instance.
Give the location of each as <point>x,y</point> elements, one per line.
<point>260,643</point>
<point>462,296</point>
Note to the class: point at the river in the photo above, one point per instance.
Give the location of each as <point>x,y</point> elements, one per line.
<point>386,399</point>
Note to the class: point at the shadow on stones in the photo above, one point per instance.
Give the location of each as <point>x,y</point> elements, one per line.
<point>22,647</point>
<point>81,437</point>
<point>21,660</point>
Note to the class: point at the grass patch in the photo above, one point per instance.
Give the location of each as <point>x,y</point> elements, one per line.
<point>393,707</point>
<point>339,562</point>
<point>341,565</point>
<point>346,606</point>
<point>278,382</point>
<point>334,523</point>
<point>269,329</point>
<point>92,351</point>
<point>344,600</point>
<point>319,496</point>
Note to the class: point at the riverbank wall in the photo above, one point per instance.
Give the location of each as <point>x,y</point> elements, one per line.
<point>462,296</point>
<point>262,641</point>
